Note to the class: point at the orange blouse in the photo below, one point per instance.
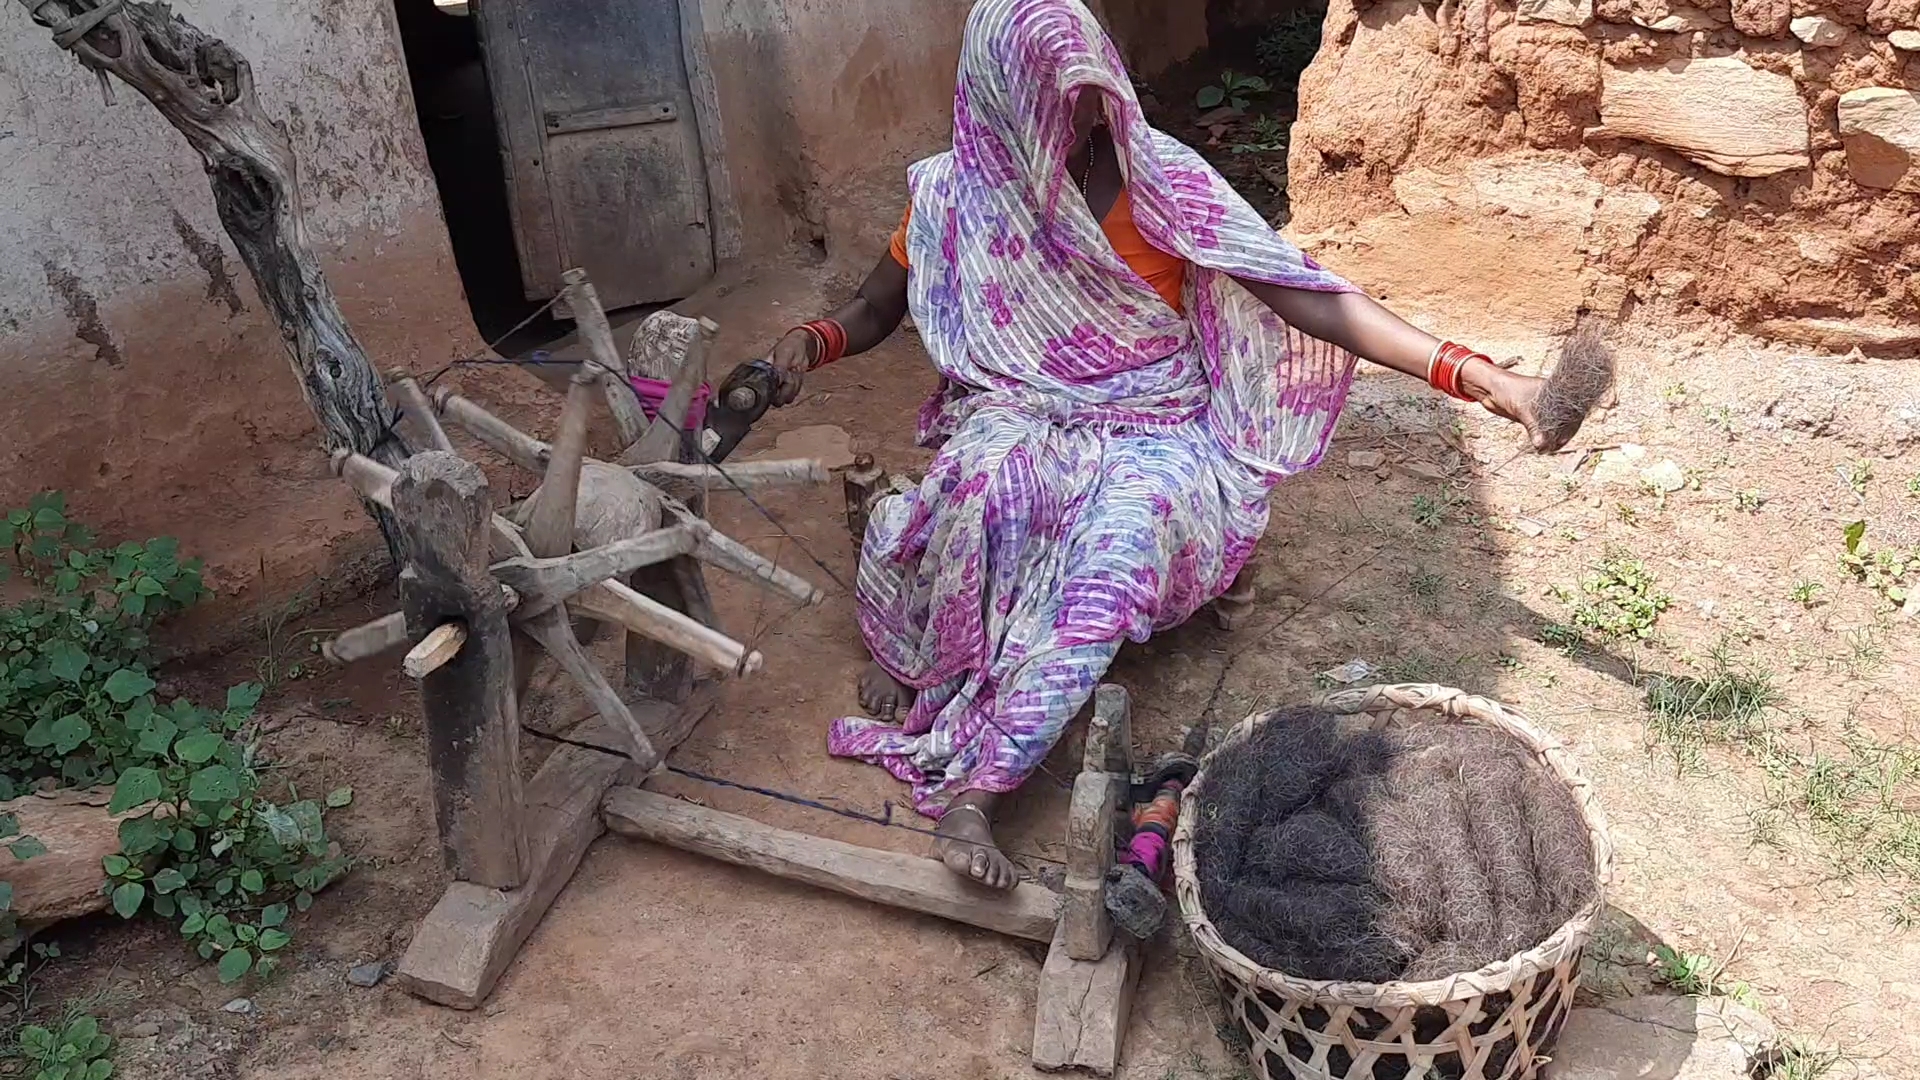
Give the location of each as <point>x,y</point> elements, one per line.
<point>1166,273</point>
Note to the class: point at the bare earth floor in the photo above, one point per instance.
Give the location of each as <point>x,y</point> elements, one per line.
<point>1421,547</point>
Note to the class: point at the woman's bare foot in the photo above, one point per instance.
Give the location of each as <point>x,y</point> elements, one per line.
<point>966,843</point>
<point>883,696</point>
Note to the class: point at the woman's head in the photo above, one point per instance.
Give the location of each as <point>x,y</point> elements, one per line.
<point>1036,76</point>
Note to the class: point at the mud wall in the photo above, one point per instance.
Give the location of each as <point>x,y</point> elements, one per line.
<point>138,370</point>
<point>1755,163</point>
<point>825,103</point>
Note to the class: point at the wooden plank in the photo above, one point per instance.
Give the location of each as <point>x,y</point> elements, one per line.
<point>883,877</point>
<point>1080,1013</point>
<point>614,602</point>
<point>471,936</point>
<point>443,511</point>
<point>465,943</point>
<point>723,209</point>
<point>1085,926</point>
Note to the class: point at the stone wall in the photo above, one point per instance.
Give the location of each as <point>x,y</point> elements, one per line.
<point>1756,162</point>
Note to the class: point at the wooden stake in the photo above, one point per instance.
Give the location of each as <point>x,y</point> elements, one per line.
<point>628,418</point>
<point>549,531</point>
<point>1080,1012</point>
<point>884,877</point>
<point>496,434</point>
<point>418,411</point>
<point>686,481</point>
<point>368,478</point>
<point>735,557</point>
<point>543,583</point>
<point>442,507</point>
<point>614,602</point>
<point>440,646</point>
<point>367,639</point>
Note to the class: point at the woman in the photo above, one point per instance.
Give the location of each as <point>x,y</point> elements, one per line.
<point>1131,359</point>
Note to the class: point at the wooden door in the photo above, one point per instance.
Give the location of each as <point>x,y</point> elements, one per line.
<point>601,136</point>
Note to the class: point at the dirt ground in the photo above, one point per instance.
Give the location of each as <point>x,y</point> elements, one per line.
<point>1433,562</point>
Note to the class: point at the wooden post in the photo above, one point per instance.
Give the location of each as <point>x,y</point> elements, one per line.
<point>673,348</point>
<point>1086,985</point>
<point>444,516</point>
<point>591,318</point>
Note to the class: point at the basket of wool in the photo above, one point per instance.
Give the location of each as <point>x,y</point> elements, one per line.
<point>1396,883</point>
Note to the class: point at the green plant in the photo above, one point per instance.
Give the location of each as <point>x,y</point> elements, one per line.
<point>1720,418</point>
<point>1619,599</point>
<point>1805,592</point>
<point>1887,571</point>
<point>78,696</point>
<point>1913,487</point>
<point>1289,46</point>
<point>1674,394</point>
<point>1749,500</point>
<point>1426,586</point>
<point>78,1050</point>
<point>1269,136</point>
<point>1234,90</point>
<point>72,652</point>
<point>1699,975</point>
<point>1858,475</point>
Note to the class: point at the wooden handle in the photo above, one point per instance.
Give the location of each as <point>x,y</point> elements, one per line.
<point>371,480</point>
<point>503,438</point>
<point>435,651</point>
<point>367,639</point>
<point>616,603</point>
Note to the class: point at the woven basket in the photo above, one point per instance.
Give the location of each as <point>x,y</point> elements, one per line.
<point>1496,1023</point>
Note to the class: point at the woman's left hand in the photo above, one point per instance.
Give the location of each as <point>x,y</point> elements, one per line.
<point>1511,397</point>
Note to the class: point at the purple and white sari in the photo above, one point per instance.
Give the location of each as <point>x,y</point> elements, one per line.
<point>1104,460</point>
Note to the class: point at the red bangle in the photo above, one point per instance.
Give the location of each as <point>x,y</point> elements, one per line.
<point>1443,370</point>
<point>830,339</point>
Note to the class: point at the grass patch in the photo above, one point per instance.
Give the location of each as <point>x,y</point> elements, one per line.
<point>1726,704</point>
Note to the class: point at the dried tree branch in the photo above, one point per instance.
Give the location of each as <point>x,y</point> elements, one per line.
<point>204,88</point>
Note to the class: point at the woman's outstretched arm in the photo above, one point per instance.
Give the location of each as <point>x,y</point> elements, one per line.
<point>873,314</point>
<point>1359,324</point>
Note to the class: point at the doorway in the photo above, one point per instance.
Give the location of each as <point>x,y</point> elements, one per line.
<point>455,104</point>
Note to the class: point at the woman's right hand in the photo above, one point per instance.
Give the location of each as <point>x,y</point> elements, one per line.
<point>791,358</point>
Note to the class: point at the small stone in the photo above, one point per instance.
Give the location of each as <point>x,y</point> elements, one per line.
<point>1664,475</point>
<point>1365,459</point>
<point>143,1031</point>
<point>1528,527</point>
<point>1564,12</point>
<point>1880,127</point>
<point>1425,470</point>
<point>1818,31</point>
<point>367,974</point>
<point>239,1007</point>
<point>1905,40</point>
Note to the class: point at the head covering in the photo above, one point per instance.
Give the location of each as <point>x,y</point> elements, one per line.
<point>1023,303</point>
